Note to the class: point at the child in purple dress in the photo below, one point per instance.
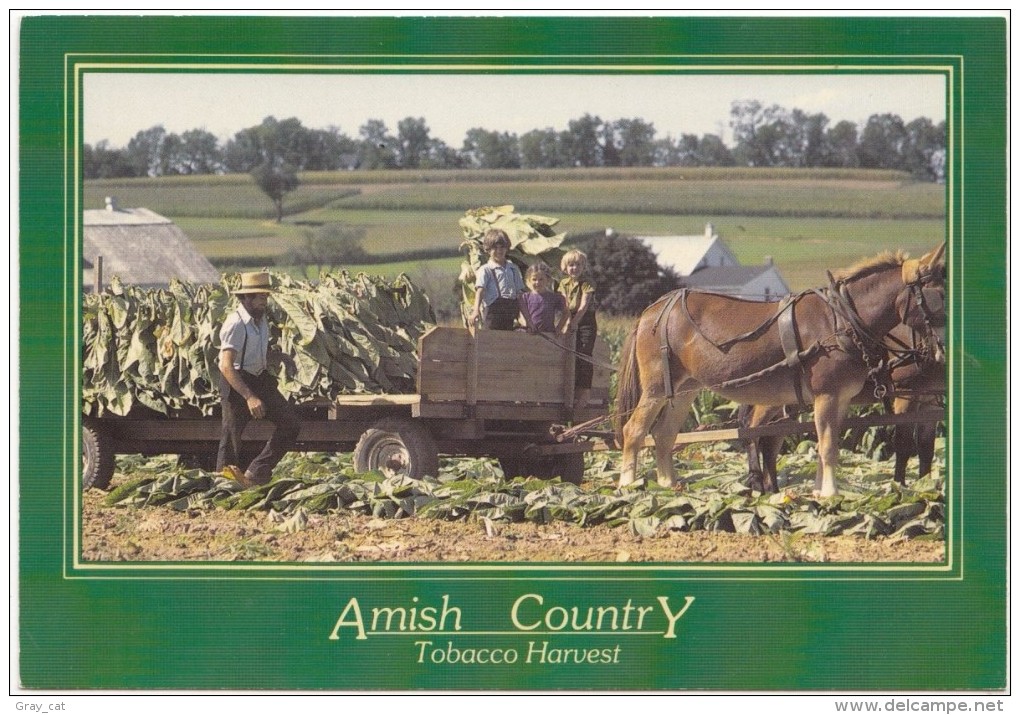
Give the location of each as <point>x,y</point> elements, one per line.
<point>542,304</point>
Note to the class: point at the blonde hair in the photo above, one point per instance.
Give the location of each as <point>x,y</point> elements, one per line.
<point>574,256</point>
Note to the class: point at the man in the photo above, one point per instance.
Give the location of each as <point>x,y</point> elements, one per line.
<point>248,389</point>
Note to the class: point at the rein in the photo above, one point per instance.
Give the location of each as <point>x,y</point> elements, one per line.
<point>580,356</point>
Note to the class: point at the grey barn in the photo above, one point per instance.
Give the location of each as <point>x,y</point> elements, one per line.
<point>706,263</point>
<point>140,247</point>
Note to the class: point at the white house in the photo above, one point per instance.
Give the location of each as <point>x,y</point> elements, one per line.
<point>754,282</point>
<point>704,262</point>
<point>140,247</point>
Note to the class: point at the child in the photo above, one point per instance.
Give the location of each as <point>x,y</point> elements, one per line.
<point>580,296</point>
<point>542,305</point>
<point>498,285</point>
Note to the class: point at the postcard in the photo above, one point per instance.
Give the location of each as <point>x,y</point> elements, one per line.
<point>512,354</point>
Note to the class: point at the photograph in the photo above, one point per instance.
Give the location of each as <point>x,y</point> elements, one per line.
<point>512,353</point>
<point>658,215</point>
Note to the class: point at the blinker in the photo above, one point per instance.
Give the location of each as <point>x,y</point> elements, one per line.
<point>932,302</point>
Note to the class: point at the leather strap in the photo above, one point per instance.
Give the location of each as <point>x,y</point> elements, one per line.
<point>791,348</point>
<point>667,378</point>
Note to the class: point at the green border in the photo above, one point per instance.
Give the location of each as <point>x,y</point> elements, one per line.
<point>67,609</point>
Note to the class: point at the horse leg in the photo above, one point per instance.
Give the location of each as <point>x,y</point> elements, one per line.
<point>634,433</point>
<point>762,453</point>
<point>903,445</point>
<point>925,448</point>
<point>769,448</point>
<point>755,473</point>
<point>664,431</point>
<point>903,441</point>
<point>746,416</point>
<point>829,413</point>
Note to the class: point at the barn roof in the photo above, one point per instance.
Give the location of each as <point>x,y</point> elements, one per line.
<point>735,279</point>
<point>685,253</point>
<point>715,277</point>
<point>142,248</point>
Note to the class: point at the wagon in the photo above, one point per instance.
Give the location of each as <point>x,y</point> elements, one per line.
<point>479,394</point>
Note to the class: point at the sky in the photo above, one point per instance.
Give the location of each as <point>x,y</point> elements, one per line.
<point>119,105</point>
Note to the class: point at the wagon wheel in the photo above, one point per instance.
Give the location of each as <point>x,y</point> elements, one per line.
<point>97,457</point>
<point>395,446</point>
<point>568,467</point>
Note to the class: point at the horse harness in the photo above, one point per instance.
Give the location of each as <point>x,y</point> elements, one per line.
<point>852,336</point>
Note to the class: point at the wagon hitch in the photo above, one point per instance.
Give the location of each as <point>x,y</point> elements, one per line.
<point>562,433</point>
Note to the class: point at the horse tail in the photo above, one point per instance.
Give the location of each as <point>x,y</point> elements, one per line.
<point>628,385</point>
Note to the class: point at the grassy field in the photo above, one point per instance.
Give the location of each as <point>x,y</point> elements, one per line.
<point>327,197</point>
<point>806,220</point>
<point>769,197</point>
<point>802,248</point>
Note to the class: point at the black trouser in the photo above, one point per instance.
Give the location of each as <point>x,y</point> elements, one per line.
<point>236,416</point>
<point>501,314</point>
<point>583,369</point>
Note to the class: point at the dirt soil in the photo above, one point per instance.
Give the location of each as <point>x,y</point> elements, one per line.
<point>162,534</point>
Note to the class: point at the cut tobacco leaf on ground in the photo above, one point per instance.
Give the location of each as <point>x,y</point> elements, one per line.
<point>471,489</point>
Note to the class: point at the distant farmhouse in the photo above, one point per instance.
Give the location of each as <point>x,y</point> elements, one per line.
<point>140,247</point>
<point>705,263</point>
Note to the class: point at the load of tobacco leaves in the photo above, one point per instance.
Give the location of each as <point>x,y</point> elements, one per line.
<point>158,349</point>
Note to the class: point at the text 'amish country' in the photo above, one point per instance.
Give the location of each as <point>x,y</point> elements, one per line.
<point>531,615</point>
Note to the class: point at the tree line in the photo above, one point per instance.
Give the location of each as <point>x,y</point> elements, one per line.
<point>763,136</point>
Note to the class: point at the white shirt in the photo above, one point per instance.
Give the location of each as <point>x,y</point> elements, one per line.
<point>498,281</point>
<point>249,340</point>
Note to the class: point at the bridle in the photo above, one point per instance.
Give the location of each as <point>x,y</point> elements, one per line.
<point>925,303</point>
<point>923,293</point>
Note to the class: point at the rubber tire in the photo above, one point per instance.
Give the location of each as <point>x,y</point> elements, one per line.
<point>396,440</point>
<point>568,467</point>
<point>97,458</point>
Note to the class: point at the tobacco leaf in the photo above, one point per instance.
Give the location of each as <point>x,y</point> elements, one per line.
<point>159,348</point>
<point>474,489</point>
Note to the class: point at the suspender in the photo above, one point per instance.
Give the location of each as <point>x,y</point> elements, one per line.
<point>499,294</point>
<point>244,343</point>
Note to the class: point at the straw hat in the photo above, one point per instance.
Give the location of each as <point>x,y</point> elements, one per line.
<point>254,283</point>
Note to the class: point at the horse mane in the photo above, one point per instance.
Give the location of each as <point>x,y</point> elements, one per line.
<point>886,259</point>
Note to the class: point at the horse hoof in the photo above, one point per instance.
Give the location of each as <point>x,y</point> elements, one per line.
<point>755,481</point>
<point>824,493</point>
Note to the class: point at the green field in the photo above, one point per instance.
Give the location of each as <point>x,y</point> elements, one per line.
<point>769,197</point>
<point>807,221</point>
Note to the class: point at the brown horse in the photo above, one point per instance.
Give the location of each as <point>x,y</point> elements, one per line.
<point>918,377</point>
<point>821,345</point>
